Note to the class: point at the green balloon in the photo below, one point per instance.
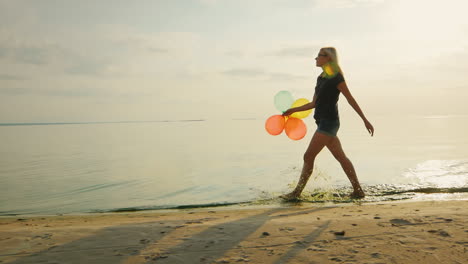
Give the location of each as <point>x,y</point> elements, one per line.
<point>283,101</point>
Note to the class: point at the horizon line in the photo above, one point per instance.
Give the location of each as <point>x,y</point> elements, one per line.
<point>108,122</point>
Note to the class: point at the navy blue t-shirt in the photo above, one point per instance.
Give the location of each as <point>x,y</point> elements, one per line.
<point>326,104</point>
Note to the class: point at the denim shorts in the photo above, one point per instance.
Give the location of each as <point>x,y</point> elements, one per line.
<point>328,126</point>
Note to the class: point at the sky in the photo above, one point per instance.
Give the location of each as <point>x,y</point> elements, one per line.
<point>91,61</point>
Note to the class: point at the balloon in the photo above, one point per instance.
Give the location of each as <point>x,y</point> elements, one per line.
<point>302,114</point>
<point>283,101</point>
<point>331,69</point>
<point>295,128</point>
<point>328,70</point>
<point>275,124</point>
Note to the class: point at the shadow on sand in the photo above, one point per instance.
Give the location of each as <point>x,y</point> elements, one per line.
<point>118,243</point>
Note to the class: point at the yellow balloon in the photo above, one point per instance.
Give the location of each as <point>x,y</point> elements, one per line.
<point>302,114</point>
<point>329,70</point>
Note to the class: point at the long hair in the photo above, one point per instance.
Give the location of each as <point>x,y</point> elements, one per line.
<point>333,55</point>
<point>331,52</point>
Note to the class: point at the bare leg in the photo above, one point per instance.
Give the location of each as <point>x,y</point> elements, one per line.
<point>318,142</point>
<point>336,149</point>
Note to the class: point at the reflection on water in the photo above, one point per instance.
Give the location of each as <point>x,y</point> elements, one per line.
<point>66,168</point>
<point>440,173</point>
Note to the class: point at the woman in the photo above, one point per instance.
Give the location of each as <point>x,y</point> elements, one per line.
<point>330,84</point>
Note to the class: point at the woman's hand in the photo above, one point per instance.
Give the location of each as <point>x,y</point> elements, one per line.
<point>305,107</point>
<point>289,112</point>
<point>369,127</point>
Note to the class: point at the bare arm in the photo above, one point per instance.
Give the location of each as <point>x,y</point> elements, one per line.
<point>347,94</point>
<point>305,107</point>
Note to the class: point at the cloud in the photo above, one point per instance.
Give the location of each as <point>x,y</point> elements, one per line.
<point>88,66</point>
<point>286,77</point>
<point>345,3</point>
<point>27,53</point>
<point>132,39</point>
<point>235,53</point>
<point>208,2</point>
<point>300,52</point>
<point>11,77</point>
<point>158,50</point>
<point>246,72</point>
<point>14,91</point>
<point>32,55</point>
<point>90,52</point>
<point>259,73</point>
<point>77,92</point>
<point>62,92</point>
<point>48,56</point>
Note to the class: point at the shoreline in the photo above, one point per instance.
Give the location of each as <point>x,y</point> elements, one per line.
<point>381,232</point>
<point>257,204</point>
<point>336,197</point>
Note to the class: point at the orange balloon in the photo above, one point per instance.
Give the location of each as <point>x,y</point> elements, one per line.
<point>275,125</point>
<point>295,128</point>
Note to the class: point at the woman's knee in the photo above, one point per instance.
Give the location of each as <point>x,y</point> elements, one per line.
<point>309,157</point>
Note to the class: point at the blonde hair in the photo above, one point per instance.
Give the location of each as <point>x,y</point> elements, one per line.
<point>331,52</point>
<point>333,55</point>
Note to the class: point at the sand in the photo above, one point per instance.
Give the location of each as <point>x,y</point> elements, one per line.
<point>396,232</point>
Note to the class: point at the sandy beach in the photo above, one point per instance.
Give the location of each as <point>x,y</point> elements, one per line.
<point>403,232</point>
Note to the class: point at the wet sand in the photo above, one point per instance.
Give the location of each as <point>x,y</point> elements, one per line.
<point>403,232</point>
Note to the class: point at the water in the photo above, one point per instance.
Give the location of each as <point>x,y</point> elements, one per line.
<point>101,167</point>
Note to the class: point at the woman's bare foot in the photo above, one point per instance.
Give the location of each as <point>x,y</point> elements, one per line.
<point>357,194</point>
<point>290,197</point>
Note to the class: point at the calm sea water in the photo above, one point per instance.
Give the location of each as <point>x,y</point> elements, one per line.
<point>102,167</point>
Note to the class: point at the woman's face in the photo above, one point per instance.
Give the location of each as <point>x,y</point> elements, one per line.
<point>321,59</point>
